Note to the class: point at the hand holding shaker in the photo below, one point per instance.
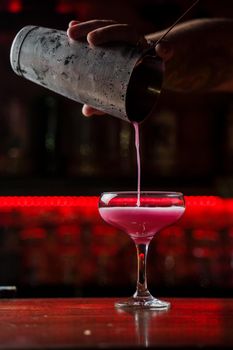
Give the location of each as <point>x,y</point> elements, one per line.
<point>122,81</point>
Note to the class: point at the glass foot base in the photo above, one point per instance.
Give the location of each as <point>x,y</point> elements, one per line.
<point>143,303</point>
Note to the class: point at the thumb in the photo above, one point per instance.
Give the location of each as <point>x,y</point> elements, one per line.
<point>164,50</point>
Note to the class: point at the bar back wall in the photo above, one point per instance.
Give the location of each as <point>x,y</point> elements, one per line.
<point>54,163</point>
<point>59,246</point>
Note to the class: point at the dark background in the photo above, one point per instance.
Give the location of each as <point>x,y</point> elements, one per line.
<point>47,147</point>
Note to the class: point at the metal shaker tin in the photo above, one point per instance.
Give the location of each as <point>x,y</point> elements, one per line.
<point>122,81</point>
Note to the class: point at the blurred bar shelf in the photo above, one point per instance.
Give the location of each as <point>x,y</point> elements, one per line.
<point>60,244</point>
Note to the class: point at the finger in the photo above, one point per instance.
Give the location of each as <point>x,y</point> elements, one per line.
<point>114,33</point>
<point>164,51</point>
<point>88,111</point>
<point>72,23</point>
<point>81,29</point>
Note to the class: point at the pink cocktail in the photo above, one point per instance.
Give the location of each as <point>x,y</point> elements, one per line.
<point>141,222</point>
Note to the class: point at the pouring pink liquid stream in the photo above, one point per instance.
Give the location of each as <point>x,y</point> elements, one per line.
<point>137,146</point>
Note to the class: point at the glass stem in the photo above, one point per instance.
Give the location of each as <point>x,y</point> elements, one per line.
<point>142,291</point>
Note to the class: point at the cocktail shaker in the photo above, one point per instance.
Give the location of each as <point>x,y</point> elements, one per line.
<point>120,80</point>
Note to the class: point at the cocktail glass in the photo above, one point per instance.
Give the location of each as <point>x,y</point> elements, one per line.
<point>141,216</point>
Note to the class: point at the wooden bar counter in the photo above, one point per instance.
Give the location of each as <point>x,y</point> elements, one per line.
<point>94,323</point>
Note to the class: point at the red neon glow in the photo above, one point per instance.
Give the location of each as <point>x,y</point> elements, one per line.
<point>15,6</point>
<point>202,212</point>
<point>204,216</point>
<point>48,201</point>
<point>64,7</point>
<point>103,230</point>
<point>68,230</point>
<point>208,235</point>
<point>192,202</point>
<point>35,233</point>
